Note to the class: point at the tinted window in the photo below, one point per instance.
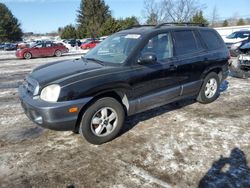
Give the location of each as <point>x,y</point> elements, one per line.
<point>161,45</point>
<point>211,39</point>
<point>39,45</point>
<point>47,45</point>
<point>186,42</point>
<point>243,35</point>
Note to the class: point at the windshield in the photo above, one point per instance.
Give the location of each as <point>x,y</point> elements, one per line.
<point>232,36</point>
<point>238,35</point>
<point>115,49</point>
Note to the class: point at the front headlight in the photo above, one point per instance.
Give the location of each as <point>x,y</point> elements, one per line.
<point>51,93</point>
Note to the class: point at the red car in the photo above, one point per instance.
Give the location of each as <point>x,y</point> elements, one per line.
<point>44,49</point>
<point>90,44</point>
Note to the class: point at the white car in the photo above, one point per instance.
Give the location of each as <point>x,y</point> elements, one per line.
<point>235,39</point>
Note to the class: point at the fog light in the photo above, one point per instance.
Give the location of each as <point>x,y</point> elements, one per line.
<point>39,120</point>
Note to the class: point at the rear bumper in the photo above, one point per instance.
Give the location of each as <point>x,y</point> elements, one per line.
<point>225,72</point>
<point>225,75</point>
<point>51,115</point>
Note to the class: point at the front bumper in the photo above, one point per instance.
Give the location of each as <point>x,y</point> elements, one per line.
<point>19,54</point>
<point>51,115</point>
<point>244,61</point>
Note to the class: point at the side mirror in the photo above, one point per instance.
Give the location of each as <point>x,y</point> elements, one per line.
<point>147,58</point>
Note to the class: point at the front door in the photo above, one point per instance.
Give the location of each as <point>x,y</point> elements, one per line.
<point>156,83</point>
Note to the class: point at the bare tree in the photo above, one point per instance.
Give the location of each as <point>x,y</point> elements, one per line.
<point>234,19</point>
<point>181,10</point>
<point>214,16</point>
<point>171,10</point>
<point>153,12</point>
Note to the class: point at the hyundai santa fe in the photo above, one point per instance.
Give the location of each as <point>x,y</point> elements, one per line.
<point>132,71</point>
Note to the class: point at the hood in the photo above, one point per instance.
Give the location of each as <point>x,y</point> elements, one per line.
<point>226,40</point>
<point>245,46</point>
<point>52,72</point>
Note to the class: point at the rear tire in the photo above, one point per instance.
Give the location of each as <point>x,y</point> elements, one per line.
<point>27,55</point>
<point>58,53</point>
<point>209,91</point>
<point>102,121</point>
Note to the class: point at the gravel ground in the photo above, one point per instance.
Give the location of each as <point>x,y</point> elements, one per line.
<point>171,146</point>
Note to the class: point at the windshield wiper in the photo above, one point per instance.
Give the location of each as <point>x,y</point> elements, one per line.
<point>95,60</point>
<point>84,59</point>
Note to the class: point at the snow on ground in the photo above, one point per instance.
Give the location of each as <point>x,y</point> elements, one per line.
<point>171,146</point>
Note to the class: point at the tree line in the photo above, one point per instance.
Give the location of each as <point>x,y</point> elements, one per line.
<point>10,30</point>
<point>94,18</point>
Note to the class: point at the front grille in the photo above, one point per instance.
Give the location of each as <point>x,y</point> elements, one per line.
<point>31,85</point>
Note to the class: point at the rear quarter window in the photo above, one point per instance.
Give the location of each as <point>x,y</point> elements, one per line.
<point>186,42</point>
<point>212,40</point>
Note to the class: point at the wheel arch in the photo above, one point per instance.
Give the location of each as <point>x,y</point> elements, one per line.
<point>119,95</point>
<point>27,52</point>
<point>217,70</point>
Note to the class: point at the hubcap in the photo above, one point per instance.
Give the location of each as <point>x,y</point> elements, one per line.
<point>58,53</point>
<point>104,122</point>
<point>211,88</point>
<point>27,56</point>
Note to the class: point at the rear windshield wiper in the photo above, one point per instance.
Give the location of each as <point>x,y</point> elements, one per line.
<point>95,60</point>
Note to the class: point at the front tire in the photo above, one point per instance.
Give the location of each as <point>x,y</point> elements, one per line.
<point>27,55</point>
<point>210,89</point>
<point>102,121</point>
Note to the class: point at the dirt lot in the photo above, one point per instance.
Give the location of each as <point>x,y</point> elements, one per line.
<point>171,146</point>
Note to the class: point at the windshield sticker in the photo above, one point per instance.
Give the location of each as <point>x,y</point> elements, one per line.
<point>132,36</point>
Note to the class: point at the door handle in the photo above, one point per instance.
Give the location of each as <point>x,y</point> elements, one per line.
<point>172,67</point>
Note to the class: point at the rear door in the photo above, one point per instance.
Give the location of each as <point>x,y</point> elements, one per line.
<point>191,60</point>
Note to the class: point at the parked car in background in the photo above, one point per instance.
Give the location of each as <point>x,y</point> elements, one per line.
<point>73,42</point>
<point>2,46</point>
<point>86,40</point>
<point>9,47</point>
<point>244,57</point>
<point>89,45</point>
<point>103,38</point>
<point>235,48</point>
<point>43,49</point>
<point>236,37</point>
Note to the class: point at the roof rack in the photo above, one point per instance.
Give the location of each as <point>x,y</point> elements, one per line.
<point>181,24</point>
<point>136,26</point>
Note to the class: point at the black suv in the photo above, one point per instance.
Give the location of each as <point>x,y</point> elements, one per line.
<point>134,70</point>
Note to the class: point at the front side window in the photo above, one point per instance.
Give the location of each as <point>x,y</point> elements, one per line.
<point>39,45</point>
<point>115,49</point>
<point>160,45</point>
<point>186,42</point>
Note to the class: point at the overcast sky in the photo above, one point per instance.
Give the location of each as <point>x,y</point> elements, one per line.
<point>42,16</point>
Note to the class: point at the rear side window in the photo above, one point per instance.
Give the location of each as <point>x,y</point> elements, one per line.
<point>211,39</point>
<point>186,42</point>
